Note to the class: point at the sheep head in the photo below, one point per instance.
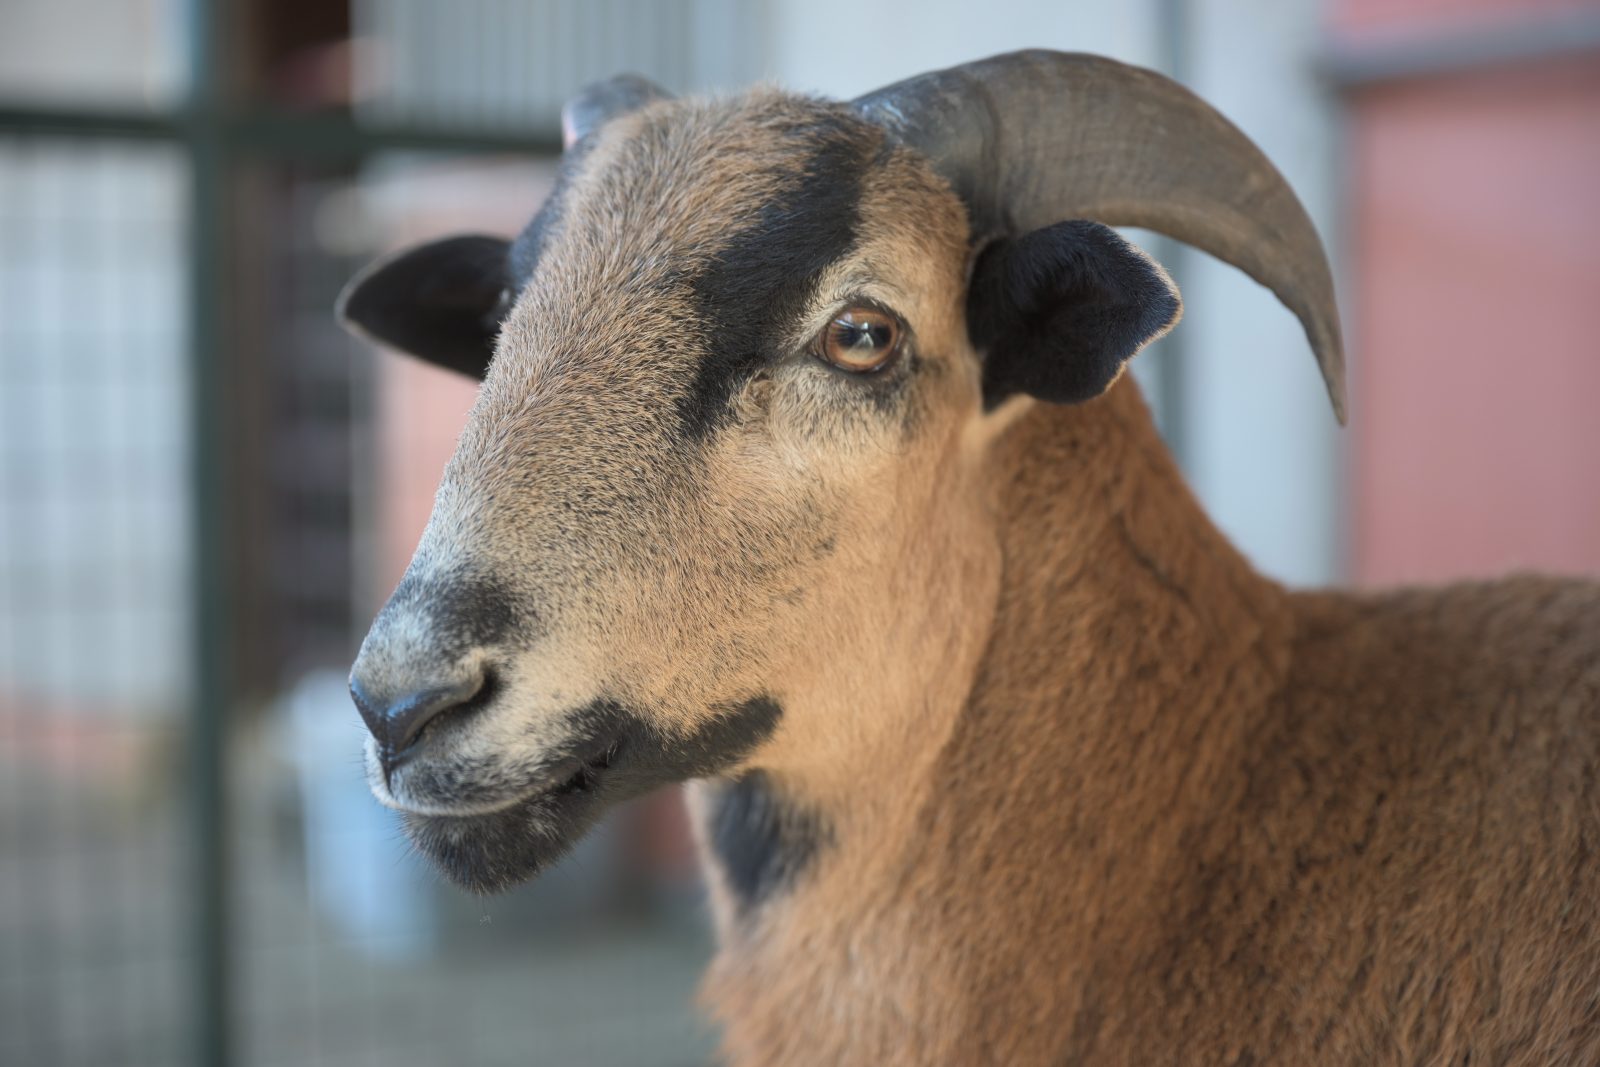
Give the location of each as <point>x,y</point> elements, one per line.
<point>724,479</point>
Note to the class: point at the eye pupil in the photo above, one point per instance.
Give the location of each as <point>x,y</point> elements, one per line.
<point>861,339</point>
<point>859,336</point>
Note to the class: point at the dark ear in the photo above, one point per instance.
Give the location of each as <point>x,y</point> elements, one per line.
<point>441,301</point>
<point>1059,311</point>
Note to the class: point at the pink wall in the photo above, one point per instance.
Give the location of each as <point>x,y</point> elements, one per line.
<point>422,411</point>
<point>1396,14</point>
<point>1474,279</point>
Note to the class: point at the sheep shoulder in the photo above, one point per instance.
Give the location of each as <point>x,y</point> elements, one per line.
<point>1417,843</point>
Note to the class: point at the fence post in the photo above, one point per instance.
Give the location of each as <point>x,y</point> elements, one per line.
<point>211,574</point>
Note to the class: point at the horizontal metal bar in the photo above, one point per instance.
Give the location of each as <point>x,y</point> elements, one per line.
<point>340,136</point>
<point>1356,62</point>
<point>45,121</point>
<point>280,134</point>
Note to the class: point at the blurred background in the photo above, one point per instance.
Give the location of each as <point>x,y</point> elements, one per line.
<point>206,489</point>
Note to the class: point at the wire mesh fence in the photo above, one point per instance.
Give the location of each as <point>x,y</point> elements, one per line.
<point>205,490</point>
<point>93,601</point>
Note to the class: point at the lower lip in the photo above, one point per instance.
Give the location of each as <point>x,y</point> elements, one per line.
<point>491,852</point>
<point>573,777</point>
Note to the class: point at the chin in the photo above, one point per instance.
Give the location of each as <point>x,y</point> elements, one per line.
<point>623,757</point>
<point>492,853</point>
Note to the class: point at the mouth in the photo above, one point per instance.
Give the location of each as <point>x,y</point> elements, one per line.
<point>490,851</point>
<point>487,850</point>
<point>584,774</point>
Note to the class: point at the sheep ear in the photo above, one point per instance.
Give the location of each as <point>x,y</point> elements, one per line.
<point>441,301</point>
<point>598,103</point>
<point>1058,312</point>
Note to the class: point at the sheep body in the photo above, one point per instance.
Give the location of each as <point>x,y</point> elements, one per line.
<point>1006,755</point>
<point>1185,816</point>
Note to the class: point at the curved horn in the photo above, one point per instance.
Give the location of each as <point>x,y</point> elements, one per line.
<point>604,100</point>
<point>1031,138</point>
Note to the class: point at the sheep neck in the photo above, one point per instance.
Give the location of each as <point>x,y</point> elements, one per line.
<point>1131,653</point>
<point>1115,604</point>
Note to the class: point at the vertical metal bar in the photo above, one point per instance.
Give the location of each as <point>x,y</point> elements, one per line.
<point>210,576</point>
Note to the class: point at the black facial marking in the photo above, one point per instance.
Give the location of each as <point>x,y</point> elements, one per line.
<point>762,841</point>
<point>464,611</point>
<point>750,295</point>
<point>614,755</point>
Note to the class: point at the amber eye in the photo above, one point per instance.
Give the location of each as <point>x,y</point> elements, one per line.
<point>860,339</point>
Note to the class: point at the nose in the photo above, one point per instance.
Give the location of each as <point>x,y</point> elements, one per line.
<point>396,721</point>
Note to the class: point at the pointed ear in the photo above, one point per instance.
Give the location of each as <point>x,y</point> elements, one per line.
<point>442,301</point>
<point>1058,312</point>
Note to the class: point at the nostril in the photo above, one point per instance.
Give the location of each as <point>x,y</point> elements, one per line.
<point>395,723</point>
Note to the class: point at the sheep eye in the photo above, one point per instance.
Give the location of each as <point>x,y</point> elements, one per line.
<point>860,339</point>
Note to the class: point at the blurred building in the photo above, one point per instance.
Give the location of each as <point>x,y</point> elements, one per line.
<point>206,489</point>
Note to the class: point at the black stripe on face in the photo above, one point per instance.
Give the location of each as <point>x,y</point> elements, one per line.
<point>750,295</point>
<point>464,611</point>
<point>762,842</point>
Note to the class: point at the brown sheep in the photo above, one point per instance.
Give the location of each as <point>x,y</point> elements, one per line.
<point>804,467</point>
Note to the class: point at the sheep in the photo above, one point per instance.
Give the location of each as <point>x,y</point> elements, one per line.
<point>804,469</point>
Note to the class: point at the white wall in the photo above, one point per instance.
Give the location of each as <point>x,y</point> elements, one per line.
<point>846,47</point>
<point>1258,436</point>
<point>125,53</point>
<point>1263,447</point>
